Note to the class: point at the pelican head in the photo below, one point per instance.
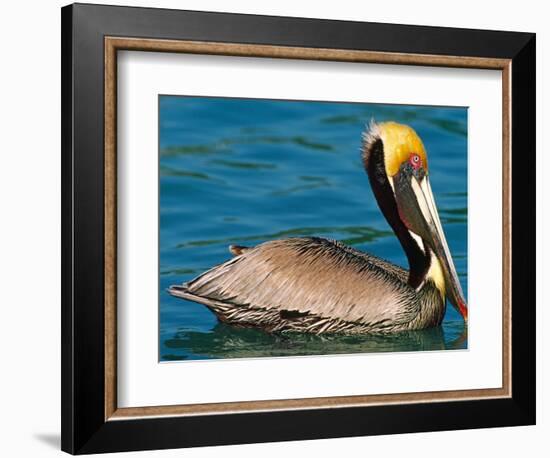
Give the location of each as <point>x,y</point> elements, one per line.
<point>397,165</point>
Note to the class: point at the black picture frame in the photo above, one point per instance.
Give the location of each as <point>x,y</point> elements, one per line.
<point>84,427</point>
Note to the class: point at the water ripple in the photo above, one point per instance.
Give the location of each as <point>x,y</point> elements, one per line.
<point>243,165</point>
<point>224,144</point>
<point>362,234</point>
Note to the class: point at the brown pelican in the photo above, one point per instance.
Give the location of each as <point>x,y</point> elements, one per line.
<point>316,285</point>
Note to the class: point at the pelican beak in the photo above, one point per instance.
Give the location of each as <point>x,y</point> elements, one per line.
<point>417,210</point>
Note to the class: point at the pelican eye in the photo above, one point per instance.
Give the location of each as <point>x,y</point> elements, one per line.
<point>415,161</point>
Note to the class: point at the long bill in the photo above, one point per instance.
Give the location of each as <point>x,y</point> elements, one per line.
<point>417,209</point>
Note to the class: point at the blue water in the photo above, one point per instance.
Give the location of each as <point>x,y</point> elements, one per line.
<point>241,171</point>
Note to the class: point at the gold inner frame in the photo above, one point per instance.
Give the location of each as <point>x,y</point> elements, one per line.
<point>114,44</point>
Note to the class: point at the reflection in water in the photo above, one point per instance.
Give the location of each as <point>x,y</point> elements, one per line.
<point>225,341</point>
<point>248,171</point>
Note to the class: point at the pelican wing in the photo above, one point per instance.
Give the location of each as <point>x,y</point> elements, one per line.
<point>311,275</point>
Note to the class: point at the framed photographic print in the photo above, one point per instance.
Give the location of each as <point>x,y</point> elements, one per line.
<point>282,228</point>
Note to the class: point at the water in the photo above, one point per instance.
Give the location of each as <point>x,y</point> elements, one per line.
<point>239,171</point>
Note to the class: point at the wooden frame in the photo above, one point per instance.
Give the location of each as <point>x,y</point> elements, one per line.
<point>92,421</point>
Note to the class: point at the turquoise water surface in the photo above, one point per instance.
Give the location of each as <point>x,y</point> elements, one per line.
<point>243,171</point>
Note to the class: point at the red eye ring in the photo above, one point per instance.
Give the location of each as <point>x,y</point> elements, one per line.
<point>415,160</point>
